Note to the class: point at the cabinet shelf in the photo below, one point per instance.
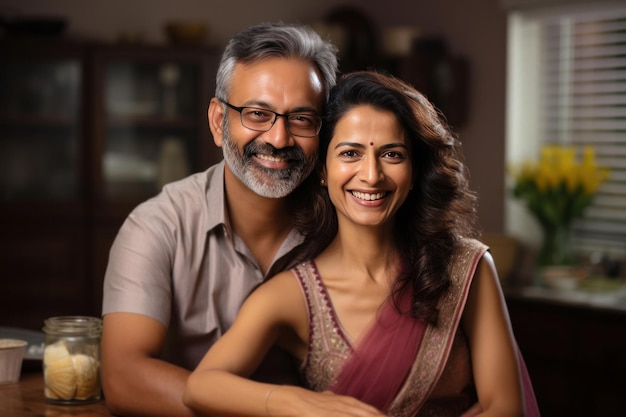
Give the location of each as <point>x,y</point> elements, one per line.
<point>24,122</point>
<point>151,122</point>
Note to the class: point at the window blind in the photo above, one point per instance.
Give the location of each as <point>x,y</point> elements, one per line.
<point>583,101</point>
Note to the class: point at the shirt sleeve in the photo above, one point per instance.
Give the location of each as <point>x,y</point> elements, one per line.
<point>139,272</point>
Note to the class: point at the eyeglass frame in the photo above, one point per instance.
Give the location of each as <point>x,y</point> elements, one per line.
<point>276,116</point>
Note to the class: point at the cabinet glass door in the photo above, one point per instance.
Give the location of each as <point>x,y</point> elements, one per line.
<point>40,129</point>
<point>151,126</point>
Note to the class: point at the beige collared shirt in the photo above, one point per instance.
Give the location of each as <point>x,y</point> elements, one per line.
<point>175,259</point>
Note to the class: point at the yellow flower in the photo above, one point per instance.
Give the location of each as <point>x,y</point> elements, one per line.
<point>559,188</point>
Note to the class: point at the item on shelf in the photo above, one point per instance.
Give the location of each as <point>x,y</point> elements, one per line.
<point>398,40</point>
<point>129,96</point>
<point>186,32</point>
<point>172,161</point>
<point>170,77</point>
<point>120,167</point>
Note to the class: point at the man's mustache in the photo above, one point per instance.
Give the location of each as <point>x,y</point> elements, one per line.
<point>291,153</point>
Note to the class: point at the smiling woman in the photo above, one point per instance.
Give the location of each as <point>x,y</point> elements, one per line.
<point>368,167</point>
<point>395,310</point>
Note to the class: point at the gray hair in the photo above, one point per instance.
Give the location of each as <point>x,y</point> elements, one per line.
<point>268,40</point>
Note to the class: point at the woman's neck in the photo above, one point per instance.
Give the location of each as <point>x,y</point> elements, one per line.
<point>368,251</point>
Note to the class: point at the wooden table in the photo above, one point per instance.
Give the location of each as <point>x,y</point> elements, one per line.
<point>26,399</point>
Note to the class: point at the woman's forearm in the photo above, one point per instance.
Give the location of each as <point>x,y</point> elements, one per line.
<point>221,393</point>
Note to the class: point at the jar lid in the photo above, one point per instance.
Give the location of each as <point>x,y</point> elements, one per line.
<point>73,325</point>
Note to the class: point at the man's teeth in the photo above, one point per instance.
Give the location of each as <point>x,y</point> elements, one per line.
<point>270,158</point>
<point>367,196</point>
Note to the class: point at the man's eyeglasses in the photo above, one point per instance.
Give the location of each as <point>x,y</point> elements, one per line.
<point>306,125</point>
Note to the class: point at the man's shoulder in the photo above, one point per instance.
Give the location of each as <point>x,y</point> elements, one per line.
<point>187,197</point>
<point>200,183</point>
<point>195,187</point>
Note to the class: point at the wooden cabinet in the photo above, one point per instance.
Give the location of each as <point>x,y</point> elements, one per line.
<point>150,123</point>
<point>576,355</point>
<point>88,131</point>
<point>149,128</point>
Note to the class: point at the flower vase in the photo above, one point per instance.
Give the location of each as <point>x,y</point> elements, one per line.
<point>555,248</point>
<point>555,266</point>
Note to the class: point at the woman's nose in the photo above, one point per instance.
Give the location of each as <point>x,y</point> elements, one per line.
<point>371,171</point>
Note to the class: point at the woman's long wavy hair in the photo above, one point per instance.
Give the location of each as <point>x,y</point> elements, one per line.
<point>439,210</point>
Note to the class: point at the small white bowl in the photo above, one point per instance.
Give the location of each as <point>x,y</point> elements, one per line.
<point>562,283</point>
<point>11,356</point>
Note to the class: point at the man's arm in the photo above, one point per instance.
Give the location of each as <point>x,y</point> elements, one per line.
<point>135,381</point>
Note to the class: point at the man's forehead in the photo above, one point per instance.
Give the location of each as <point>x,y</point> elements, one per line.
<point>278,81</point>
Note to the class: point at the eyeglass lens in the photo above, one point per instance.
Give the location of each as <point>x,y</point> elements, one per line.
<point>298,124</point>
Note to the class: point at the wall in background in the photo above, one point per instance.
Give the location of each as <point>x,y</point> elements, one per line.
<point>475,30</point>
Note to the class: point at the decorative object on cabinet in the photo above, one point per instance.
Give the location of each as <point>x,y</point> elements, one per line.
<point>398,40</point>
<point>186,32</point>
<point>359,46</point>
<point>440,75</point>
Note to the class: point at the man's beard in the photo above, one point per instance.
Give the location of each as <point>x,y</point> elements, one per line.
<point>270,183</point>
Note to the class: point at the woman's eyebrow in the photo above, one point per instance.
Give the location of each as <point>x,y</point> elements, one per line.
<point>352,144</point>
<point>360,145</point>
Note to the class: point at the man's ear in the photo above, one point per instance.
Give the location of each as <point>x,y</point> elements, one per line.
<point>215,115</point>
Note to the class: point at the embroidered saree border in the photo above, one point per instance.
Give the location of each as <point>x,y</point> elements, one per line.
<point>437,342</point>
<point>327,349</point>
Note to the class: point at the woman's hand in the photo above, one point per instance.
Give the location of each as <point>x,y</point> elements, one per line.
<point>292,401</point>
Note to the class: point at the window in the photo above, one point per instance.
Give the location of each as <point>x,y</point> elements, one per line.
<point>567,85</point>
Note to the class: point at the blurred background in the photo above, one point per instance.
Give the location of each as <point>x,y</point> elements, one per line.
<point>103,102</point>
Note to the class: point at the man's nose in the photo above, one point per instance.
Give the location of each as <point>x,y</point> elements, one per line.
<point>278,136</point>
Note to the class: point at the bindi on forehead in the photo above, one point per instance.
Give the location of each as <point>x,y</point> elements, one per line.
<point>371,143</point>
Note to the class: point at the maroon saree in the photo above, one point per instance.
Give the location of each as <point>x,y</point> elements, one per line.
<point>400,365</point>
<point>375,375</point>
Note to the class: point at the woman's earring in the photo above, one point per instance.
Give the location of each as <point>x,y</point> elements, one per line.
<point>323,182</point>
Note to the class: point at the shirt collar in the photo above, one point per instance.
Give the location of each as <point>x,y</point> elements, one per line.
<point>215,198</point>
<point>218,215</point>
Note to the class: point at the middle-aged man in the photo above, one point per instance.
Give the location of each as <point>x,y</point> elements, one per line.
<point>184,261</point>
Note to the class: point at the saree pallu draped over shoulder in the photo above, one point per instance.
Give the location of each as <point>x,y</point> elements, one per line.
<point>438,341</point>
<point>401,365</point>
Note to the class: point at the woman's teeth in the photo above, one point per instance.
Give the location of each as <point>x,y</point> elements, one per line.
<point>367,196</point>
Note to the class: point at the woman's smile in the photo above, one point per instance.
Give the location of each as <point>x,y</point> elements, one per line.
<point>368,166</point>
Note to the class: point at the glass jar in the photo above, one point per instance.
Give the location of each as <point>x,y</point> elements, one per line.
<point>71,359</point>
